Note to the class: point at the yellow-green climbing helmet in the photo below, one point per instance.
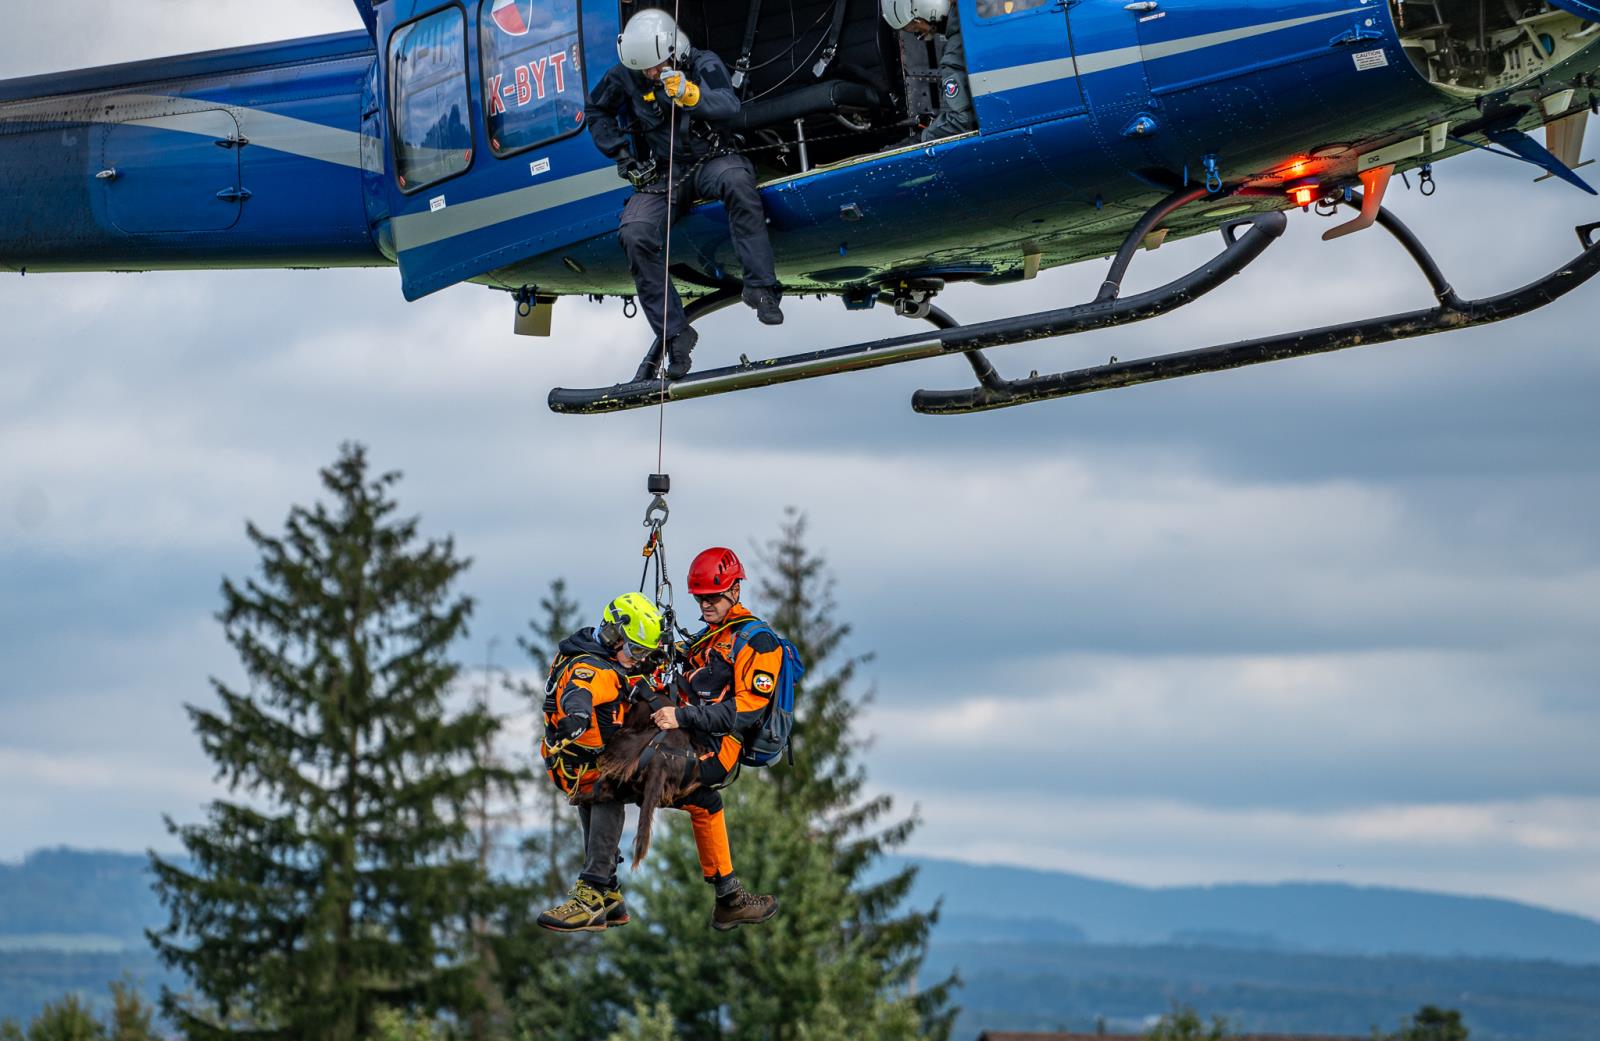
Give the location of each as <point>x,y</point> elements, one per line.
<point>631,617</point>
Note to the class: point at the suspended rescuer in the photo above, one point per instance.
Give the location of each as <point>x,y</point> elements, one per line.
<point>598,672</point>
<point>937,22</point>
<point>733,671</point>
<point>669,99</point>
<point>591,682</point>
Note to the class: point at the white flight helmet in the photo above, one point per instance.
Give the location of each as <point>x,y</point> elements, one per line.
<point>901,13</point>
<point>650,38</point>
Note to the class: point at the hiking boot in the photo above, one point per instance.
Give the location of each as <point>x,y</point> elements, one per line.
<point>742,907</point>
<point>765,301</point>
<point>678,350</point>
<point>616,910</point>
<point>584,912</point>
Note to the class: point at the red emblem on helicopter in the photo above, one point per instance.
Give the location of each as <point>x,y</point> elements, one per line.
<point>513,16</point>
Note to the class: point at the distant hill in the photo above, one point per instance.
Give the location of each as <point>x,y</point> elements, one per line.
<point>1036,949</point>
<point>1037,986</point>
<point>66,899</point>
<point>72,899</point>
<point>1309,916</point>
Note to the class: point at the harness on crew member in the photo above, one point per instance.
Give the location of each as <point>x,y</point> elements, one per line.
<point>648,176</point>
<point>570,763</point>
<point>764,743</point>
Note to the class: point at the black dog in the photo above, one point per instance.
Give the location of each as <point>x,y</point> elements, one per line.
<point>645,765</point>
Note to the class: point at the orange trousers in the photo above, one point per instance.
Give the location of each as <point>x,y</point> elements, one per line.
<point>710,832</point>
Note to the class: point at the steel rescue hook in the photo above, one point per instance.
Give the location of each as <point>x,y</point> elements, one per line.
<point>655,549</point>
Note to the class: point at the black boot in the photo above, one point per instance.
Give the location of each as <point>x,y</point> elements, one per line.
<point>678,350</point>
<point>765,301</point>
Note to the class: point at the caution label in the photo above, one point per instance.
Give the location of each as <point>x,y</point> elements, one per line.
<point>1368,60</point>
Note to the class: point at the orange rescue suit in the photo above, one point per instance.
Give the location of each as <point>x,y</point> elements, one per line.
<point>728,697</point>
<point>583,684</point>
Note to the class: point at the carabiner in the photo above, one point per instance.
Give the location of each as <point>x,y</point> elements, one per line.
<point>656,514</point>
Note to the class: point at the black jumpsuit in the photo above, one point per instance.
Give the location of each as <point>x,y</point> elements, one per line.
<point>626,103</point>
<point>955,100</point>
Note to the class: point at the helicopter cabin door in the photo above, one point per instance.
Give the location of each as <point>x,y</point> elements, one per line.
<point>1019,61</point>
<point>1212,66</point>
<point>488,162</point>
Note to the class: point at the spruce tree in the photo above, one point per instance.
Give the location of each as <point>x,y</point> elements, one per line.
<point>130,1016</point>
<point>841,950</point>
<point>341,881</point>
<point>828,777</point>
<point>70,1019</point>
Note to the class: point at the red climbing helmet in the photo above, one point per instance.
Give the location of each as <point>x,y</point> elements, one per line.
<point>715,571</point>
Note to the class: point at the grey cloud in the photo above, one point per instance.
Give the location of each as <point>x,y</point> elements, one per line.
<point>1429,506</point>
<point>45,38</point>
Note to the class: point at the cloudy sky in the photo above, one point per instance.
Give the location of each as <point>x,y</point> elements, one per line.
<point>1325,619</point>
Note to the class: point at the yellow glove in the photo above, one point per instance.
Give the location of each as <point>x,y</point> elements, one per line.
<point>680,90</point>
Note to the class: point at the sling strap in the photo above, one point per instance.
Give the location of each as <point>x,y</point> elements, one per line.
<point>832,46</point>
<point>741,68</point>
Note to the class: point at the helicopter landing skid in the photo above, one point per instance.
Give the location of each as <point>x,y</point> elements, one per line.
<point>1107,309</point>
<point>1451,313</point>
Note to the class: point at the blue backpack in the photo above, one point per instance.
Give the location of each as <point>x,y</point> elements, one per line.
<point>770,738</point>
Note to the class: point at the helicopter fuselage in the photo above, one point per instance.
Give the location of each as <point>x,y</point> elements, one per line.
<point>285,155</point>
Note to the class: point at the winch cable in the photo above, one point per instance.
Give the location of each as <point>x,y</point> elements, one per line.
<point>666,240</point>
<point>659,483</point>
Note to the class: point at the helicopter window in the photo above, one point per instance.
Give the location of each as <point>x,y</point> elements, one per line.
<point>532,71</point>
<point>428,88</point>
<point>1001,8</point>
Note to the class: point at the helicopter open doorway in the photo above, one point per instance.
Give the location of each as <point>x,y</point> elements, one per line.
<point>820,81</point>
<point>1471,48</point>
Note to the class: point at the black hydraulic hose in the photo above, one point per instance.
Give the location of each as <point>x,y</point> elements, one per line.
<point>1111,288</point>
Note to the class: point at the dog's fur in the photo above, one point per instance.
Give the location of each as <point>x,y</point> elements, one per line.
<point>668,775</point>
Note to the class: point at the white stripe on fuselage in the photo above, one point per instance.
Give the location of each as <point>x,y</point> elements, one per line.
<point>345,147</point>
<point>1032,75</point>
<point>425,228</point>
<point>264,129</point>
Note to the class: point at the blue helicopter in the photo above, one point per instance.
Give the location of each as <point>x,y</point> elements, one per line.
<point>447,139</point>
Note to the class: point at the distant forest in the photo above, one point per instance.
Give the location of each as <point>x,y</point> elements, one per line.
<point>1029,986</point>
<point>363,902</point>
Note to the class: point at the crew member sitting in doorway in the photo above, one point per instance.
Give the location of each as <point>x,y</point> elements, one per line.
<point>936,22</point>
<point>672,98</point>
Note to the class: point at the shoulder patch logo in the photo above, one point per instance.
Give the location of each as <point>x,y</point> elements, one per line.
<point>583,673</point>
<point>952,88</point>
<point>764,682</point>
